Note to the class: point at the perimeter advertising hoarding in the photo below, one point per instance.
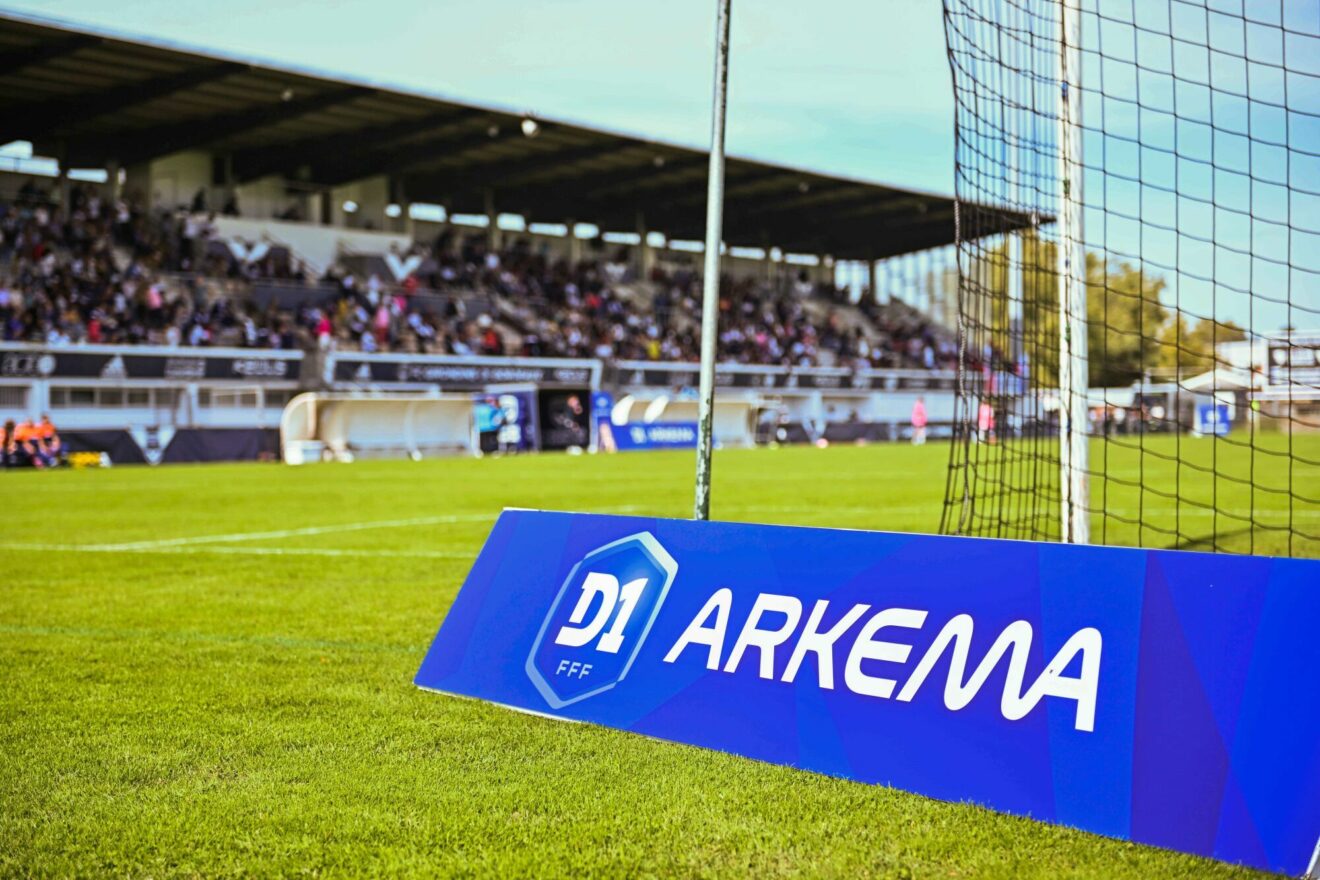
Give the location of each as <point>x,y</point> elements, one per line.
<point>637,436</point>
<point>1295,361</point>
<point>1165,697</point>
<point>458,372</point>
<point>117,364</point>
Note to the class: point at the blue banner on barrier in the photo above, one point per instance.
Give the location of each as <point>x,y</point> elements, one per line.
<point>1212,418</point>
<point>1165,697</point>
<point>646,435</point>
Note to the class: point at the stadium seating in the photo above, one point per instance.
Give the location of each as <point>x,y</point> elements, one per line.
<point>122,273</point>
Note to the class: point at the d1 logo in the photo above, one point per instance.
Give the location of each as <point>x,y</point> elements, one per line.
<point>600,619</point>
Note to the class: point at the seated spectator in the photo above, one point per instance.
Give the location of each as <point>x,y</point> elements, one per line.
<point>51,438</point>
<point>9,453</point>
<point>31,448</point>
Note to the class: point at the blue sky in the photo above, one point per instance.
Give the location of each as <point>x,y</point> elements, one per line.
<point>854,87</point>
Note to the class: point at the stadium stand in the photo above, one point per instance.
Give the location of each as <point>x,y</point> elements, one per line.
<point>187,242</point>
<point>122,274</point>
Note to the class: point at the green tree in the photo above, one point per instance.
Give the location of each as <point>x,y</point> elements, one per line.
<point>1125,318</point>
<point>1124,322</point>
<point>1193,350</point>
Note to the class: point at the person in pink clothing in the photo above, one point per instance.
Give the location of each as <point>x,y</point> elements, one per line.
<point>919,422</point>
<point>325,331</point>
<point>985,423</point>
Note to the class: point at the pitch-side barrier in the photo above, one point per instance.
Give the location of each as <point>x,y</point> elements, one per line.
<point>1163,697</point>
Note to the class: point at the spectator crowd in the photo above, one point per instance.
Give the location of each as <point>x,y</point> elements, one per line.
<point>30,444</point>
<point>118,272</point>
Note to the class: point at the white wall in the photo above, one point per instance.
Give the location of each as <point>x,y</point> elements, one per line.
<point>264,197</point>
<point>371,194</point>
<point>176,178</point>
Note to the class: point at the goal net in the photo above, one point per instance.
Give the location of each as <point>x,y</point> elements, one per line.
<point>1138,188</point>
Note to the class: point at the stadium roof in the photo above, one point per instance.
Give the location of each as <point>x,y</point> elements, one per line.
<point>92,98</point>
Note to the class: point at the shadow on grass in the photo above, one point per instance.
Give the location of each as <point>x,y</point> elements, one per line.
<point>1256,541</point>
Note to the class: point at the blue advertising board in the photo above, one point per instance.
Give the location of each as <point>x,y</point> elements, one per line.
<point>611,437</point>
<point>1165,697</point>
<point>645,435</point>
<point>1213,418</point>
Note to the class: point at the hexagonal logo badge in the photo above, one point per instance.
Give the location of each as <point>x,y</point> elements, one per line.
<point>600,619</point>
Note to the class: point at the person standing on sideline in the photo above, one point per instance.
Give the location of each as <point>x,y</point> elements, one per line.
<point>919,422</point>
<point>985,422</point>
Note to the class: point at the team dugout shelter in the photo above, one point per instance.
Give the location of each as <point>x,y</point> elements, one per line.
<point>166,121</point>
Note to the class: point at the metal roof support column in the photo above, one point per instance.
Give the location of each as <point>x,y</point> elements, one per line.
<point>137,182</point>
<point>492,225</point>
<point>231,187</point>
<point>399,196</point>
<point>574,243</point>
<point>928,281</point>
<point>908,294</point>
<point>449,232</point>
<point>112,181</point>
<point>66,193</point>
<point>645,256</point>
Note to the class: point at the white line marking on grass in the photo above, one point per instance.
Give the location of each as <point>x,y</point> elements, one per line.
<point>324,530</point>
<point>202,549</point>
<point>323,551</point>
<point>299,532</point>
<point>202,543</point>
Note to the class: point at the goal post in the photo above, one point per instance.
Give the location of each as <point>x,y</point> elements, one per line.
<point>1138,236</point>
<point>1074,481</point>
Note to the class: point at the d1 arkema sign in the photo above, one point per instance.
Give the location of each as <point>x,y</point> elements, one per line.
<point>1163,697</point>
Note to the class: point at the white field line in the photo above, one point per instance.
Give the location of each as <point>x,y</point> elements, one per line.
<point>325,530</point>
<point>200,549</point>
<point>205,543</point>
<point>299,532</point>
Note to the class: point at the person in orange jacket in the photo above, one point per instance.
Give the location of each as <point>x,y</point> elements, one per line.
<point>51,437</point>
<point>31,448</point>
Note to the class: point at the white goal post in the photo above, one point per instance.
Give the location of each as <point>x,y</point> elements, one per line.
<point>347,426</point>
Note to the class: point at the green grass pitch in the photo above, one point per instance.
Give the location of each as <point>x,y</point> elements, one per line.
<point>207,671</point>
